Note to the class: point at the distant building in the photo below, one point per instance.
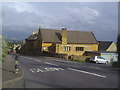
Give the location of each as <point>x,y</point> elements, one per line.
<point>107,46</point>
<point>61,41</point>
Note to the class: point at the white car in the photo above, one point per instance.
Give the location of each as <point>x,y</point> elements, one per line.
<point>98,59</point>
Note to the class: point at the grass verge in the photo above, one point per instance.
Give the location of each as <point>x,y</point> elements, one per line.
<point>82,61</point>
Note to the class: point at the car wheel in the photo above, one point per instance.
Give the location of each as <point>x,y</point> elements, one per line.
<point>97,61</point>
<point>106,62</point>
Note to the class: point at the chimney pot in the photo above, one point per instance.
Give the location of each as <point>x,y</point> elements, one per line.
<point>63,28</point>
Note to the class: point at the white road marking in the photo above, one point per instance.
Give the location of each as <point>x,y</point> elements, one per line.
<point>77,62</point>
<point>51,69</point>
<point>25,57</point>
<point>61,68</point>
<point>36,70</point>
<point>32,70</point>
<point>37,60</point>
<point>39,70</point>
<point>30,58</point>
<point>54,69</point>
<point>51,64</point>
<point>87,72</point>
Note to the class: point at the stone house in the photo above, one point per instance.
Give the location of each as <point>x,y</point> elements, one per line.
<point>61,41</point>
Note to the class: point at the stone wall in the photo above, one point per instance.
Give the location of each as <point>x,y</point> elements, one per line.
<point>52,54</point>
<point>75,57</point>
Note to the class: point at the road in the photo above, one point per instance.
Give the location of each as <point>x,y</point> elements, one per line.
<point>49,72</point>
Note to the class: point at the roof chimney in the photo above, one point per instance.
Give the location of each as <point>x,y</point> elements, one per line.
<point>64,35</point>
<point>33,32</point>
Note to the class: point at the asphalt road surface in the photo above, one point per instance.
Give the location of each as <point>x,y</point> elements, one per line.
<point>49,72</point>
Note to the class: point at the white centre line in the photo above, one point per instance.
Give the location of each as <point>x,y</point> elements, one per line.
<point>87,72</point>
<point>30,58</point>
<point>51,64</point>
<point>37,60</point>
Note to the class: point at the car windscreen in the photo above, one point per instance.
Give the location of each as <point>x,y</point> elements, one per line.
<point>100,57</point>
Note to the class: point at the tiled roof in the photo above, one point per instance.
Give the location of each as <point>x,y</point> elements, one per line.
<point>104,45</point>
<point>55,36</point>
<point>32,37</point>
<point>52,35</point>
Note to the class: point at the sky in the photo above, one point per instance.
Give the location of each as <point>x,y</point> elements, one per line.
<point>19,19</point>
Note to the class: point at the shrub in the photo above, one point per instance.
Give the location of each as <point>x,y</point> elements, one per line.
<point>4,48</point>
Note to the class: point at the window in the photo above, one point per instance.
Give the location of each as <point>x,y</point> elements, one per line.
<point>66,48</point>
<point>32,44</point>
<point>100,57</point>
<point>79,48</point>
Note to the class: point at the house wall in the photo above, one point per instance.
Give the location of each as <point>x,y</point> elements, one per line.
<point>39,41</point>
<point>30,45</point>
<point>87,47</point>
<point>112,47</point>
<point>45,46</point>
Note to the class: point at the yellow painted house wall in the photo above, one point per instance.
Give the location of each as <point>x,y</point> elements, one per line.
<point>87,47</point>
<point>59,48</point>
<point>45,46</point>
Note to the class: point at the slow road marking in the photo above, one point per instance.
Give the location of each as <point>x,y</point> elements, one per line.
<point>87,72</point>
<point>36,70</point>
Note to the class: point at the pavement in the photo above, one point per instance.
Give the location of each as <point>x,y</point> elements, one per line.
<point>8,72</point>
<point>50,72</point>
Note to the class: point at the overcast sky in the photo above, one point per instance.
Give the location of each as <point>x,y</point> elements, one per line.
<point>20,19</point>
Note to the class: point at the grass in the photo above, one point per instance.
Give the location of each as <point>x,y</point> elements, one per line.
<point>82,61</point>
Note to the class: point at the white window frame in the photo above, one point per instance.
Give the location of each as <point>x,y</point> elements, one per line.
<point>66,48</point>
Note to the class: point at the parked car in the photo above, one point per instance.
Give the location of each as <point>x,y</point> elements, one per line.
<point>98,59</point>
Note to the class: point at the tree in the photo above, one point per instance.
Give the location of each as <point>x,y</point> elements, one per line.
<point>5,47</point>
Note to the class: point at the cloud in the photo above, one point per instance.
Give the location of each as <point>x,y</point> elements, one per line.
<point>25,17</point>
<point>21,7</point>
<point>84,14</point>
